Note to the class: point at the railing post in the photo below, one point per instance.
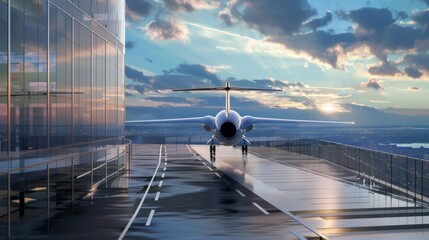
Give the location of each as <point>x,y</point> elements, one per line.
<point>9,224</point>
<point>391,173</point>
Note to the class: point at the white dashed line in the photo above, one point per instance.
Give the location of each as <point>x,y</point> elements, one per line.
<point>217,174</point>
<point>210,168</point>
<point>204,163</point>
<point>160,184</point>
<point>149,219</point>
<point>239,192</point>
<point>163,175</point>
<point>165,163</point>
<point>165,169</point>
<point>142,200</point>
<point>157,196</point>
<point>227,182</point>
<point>260,208</point>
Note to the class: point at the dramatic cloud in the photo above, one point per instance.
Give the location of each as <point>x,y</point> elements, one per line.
<point>321,45</point>
<point>385,69</point>
<point>136,10</point>
<point>372,84</point>
<point>191,5</point>
<point>372,18</point>
<point>413,72</point>
<point>422,18</point>
<point>417,61</point>
<point>272,17</point>
<point>167,30</point>
<point>130,44</point>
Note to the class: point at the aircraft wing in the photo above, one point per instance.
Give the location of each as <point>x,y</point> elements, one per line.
<point>247,121</point>
<point>207,120</point>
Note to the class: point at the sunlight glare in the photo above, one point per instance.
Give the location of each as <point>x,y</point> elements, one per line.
<point>328,108</point>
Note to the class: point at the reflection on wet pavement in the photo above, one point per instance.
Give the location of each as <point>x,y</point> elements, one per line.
<point>299,186</point>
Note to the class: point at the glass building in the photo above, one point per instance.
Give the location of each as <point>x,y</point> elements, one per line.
<point>61,105</point>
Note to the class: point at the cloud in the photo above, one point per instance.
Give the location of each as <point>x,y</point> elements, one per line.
<point>385,69</point>
<point>130,44</point>
<point>138,88</point>
<point>418,61</point>
<point>136,10</point>
<point>135,75</point>
<point>272,17</point>
<point>190,5</point>
<point>167,30</point>
<point>413,89</point>
<point>372,18</point>
<point>229,15</point>
<point>316,23</point>
<point>372,84</point>
<point>413,72</point>
<point>324,46</point>
<point>197,70</point>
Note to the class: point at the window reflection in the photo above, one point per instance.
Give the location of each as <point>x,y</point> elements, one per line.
<point>66,88</point>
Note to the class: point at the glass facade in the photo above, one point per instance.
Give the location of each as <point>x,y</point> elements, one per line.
<point>61,105</point>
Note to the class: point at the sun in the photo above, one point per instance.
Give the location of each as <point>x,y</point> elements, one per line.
<point>328,108</point>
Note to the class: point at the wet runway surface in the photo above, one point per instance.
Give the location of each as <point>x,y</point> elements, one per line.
<point>311,191</point>
<point>173,192</point>
<point>189,199</point>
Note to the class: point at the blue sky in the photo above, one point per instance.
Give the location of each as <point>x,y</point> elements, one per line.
<point>329,57</point>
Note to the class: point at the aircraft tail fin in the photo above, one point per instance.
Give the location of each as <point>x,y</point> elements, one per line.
<point>227,88</point>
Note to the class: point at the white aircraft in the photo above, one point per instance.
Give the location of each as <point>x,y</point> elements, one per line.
<point>228,127</point>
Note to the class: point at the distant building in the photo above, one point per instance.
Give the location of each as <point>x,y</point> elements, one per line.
<point>61,105</point>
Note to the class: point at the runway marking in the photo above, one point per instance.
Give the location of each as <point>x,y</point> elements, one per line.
<point>149,219</point>
<point>210,168</point>
<point>217,174</point>
<point>142,200</point>
<point>260,208</point>
<point>163,175</point>
<point>165,169</point>
<point>157,196</point>
<point>160,184</point>
<point>239,192</point>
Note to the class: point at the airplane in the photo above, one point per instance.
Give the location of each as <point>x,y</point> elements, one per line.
<point>228,127</point>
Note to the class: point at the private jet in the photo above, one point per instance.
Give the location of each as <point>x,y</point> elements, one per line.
<point>228,127</point>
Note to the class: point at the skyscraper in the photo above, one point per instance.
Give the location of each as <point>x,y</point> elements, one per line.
<point>61,104</point>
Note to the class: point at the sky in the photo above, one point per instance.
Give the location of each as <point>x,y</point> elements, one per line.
<point>364,61</point>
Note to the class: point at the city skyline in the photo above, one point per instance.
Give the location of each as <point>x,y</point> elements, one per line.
<point>329,58</point>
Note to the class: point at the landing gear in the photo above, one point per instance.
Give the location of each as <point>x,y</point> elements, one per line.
<point>244,149</point>
<point>212,153</point>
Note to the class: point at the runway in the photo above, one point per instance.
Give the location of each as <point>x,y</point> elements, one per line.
<point>190,199</point>
<point>173,192</point>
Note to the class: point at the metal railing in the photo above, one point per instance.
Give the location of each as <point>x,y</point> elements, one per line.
<point>399,175</point>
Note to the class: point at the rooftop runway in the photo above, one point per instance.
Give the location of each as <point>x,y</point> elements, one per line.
<point>173,192</point>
